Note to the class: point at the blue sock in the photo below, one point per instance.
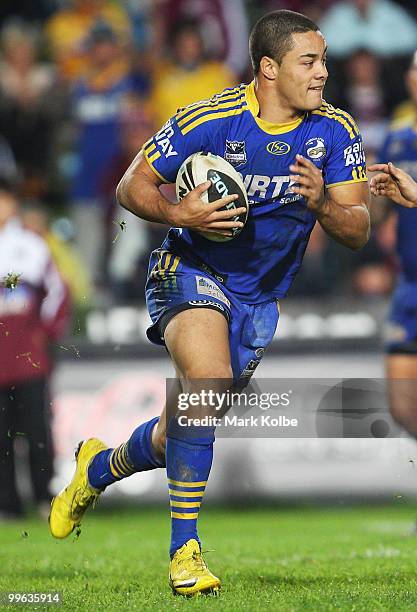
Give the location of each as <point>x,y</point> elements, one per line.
<point>135,455</point>
<point>189,455</point>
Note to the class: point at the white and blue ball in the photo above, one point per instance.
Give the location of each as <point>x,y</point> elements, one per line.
<point>225,180</point>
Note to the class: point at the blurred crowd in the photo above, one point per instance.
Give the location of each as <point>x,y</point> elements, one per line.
<point>84,83</point>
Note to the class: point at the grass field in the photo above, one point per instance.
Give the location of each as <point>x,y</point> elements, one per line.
<point>361,558</point>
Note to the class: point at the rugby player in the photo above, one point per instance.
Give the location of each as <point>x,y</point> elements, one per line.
<point>395,180</point>
<point>215,305</point>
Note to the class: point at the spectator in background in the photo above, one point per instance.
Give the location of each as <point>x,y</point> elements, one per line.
<point>68,29</point>
<point>375,266</point>
<point>128,236</point>
<point>189,76</point>
<point>139,12</point>
<point>381,26</point>
<point>97,102</point>
<point>314,9</point>
<point>25,85</point>
<point>27,9</point>
<point>365,98</point>
<point>406,111</point>
<point>7,161</point>
<point>223,26</point>
<point>320,273</point>
<point>400,147</point>
<point>35,218</point>
<point>33,312</point>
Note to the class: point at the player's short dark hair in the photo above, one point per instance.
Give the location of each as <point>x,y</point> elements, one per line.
<point>272,35</point>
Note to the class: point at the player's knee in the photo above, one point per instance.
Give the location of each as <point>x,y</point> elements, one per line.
<point>218,376</point>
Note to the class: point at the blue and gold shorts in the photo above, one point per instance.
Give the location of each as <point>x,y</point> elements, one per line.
<point>175,284</point>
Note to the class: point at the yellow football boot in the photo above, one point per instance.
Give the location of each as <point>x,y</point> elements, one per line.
<point>189,574</point>
<point>68,507</point>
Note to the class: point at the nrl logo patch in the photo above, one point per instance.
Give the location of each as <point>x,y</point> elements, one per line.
<point>316,148</point>
<point>235,152</point>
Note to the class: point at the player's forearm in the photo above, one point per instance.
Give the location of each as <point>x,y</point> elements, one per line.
<point>140,196</point>
<point>349,225</point>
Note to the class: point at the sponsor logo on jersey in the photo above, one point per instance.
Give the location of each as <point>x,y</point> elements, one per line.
<point>235,152</point>
<point>276,147</point>
<point>354,154</point>
<point>208,287</point>
<point>163,139</point>
<point>316,148</point>
<point>260,187</point>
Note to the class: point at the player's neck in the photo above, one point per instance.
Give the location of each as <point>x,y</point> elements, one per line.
<point>272,108</point>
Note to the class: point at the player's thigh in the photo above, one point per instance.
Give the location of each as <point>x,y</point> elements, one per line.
<point>198,342</point>
<point>402,385</point>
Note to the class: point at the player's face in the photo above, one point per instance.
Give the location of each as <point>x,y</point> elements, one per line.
<point>303,73</point>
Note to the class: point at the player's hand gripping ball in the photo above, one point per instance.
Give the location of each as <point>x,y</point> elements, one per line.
<point>201,167</point>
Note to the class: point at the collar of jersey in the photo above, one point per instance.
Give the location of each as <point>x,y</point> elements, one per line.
<point>269,128</point>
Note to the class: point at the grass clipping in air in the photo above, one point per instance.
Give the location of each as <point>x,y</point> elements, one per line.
<point>11,280</point>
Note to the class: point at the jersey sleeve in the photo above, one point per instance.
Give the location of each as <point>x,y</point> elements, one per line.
<point>346,161</point>
<point>168,148</point>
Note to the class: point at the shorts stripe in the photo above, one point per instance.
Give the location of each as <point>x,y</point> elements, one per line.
<point>175,264</point>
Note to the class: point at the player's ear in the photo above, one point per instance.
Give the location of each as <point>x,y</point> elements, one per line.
<point>269,68</point>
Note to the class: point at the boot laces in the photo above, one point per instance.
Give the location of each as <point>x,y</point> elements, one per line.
<point>198,559</point>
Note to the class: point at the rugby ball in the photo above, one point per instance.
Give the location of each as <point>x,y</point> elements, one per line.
<point>201,167</point>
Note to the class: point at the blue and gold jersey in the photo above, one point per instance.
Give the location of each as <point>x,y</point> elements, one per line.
<point>260,263</point>
<point>400,147</point>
